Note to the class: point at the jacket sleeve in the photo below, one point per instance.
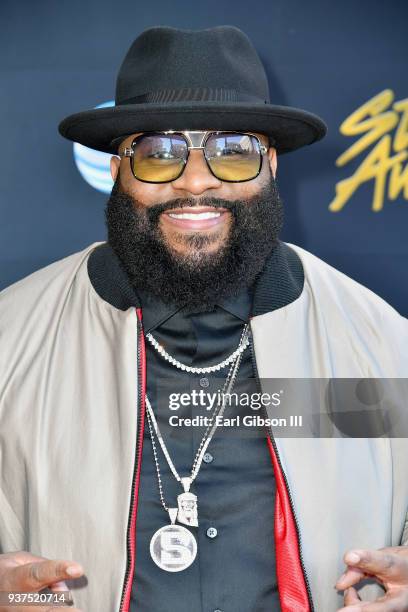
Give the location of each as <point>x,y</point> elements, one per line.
<point>11,530</point>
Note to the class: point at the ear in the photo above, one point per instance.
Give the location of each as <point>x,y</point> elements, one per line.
<point>114,167</point>
<point>273,160</point>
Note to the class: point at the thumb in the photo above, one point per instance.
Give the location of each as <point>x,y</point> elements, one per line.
<point>38,575</point>
<point>386,564</point>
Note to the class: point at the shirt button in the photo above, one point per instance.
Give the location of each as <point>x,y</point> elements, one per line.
<point>208,457</point>
<point>204,382</point>
<point>212,532</point>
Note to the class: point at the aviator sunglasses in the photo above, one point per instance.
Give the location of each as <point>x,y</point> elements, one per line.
<point>160,157</point>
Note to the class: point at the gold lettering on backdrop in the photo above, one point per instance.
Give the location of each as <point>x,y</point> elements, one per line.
<point>375,120</point>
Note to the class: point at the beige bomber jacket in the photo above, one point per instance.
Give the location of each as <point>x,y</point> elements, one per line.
<point>70,417</point>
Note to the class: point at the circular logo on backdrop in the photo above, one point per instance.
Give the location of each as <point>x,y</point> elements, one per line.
<point>94,166</point>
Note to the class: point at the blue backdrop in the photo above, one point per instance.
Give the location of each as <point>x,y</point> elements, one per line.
<point>345,61</point>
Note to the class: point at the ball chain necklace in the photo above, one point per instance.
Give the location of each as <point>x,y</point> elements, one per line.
<point>173,547</point>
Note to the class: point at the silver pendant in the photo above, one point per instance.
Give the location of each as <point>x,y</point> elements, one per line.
<point>173,548</point>
<point>187,505</point>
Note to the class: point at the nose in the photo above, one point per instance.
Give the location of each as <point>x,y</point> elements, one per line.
<point>196,177</point>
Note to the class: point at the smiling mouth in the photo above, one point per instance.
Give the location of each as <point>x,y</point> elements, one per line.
<point>195,217</point>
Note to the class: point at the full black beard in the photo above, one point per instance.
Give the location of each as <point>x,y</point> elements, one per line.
<point>200,279</point>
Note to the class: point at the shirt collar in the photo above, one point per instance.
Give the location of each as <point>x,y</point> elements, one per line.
<point>155,311</point>
<point>279,284</point>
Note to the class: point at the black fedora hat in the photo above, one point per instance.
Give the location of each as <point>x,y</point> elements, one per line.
<point>172,79</point>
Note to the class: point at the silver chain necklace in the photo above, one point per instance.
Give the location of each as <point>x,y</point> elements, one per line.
<point>160,349</point>
<point>172,547</point>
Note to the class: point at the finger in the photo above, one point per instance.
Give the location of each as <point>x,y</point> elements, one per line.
<point>386,565</point>
<point>351,597</point>
<point>396,601</point>
<point>351,576</point>
<point>59,586</point>
<point>37,575</point>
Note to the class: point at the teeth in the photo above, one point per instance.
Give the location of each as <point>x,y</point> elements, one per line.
<point>195,216</point>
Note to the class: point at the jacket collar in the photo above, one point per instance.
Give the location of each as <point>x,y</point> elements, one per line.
<point>279,284</point>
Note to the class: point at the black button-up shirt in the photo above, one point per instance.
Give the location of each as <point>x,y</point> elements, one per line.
<point>234,570</point>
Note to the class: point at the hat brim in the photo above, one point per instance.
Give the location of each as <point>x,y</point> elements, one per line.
<point>291,128</point>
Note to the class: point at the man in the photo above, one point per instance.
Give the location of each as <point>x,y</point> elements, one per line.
<point>194,291</point>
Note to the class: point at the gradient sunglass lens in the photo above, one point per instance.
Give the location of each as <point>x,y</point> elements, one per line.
<point>233,157</point>
<point>159,158</point>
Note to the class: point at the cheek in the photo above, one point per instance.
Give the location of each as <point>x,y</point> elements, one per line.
<point>246,190</point>
<point>249,189</point>
<point>147,193</point>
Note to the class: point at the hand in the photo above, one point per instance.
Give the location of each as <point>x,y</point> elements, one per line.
<point>21,571</point>
<point>388,566</point>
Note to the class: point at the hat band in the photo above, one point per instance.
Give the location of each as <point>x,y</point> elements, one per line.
<point>193,94</point>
